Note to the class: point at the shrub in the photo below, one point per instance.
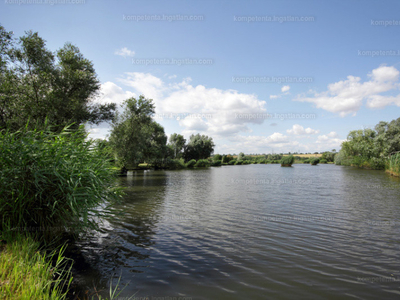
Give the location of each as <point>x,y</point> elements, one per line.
<point>191,163</point>
<point>323,161</point>
<point>306,161</point>
<point>342,159</point>
<point>377,163</point>
<point>176,164</point>
<point>217,157</point>
<point>52,182</point>
<point>232,162</point>
<point>287,160</point>
<point>202,163</point>
<point>216,163</point>
<point>239,162</point>
<point>314,161</point>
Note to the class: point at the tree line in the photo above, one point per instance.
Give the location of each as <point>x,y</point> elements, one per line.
<point>40,88</point>
<point>371,148</point>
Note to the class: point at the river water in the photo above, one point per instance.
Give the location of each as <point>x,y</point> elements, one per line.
<point>250,232</point>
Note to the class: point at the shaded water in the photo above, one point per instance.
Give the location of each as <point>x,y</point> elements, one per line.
<point>252,232</point>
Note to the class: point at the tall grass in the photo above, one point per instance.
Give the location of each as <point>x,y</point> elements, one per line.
<point>26,273</point>
<point>52,183</point>
<point>393,165</point>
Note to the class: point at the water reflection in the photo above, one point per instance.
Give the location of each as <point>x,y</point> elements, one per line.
<point>244,232</point>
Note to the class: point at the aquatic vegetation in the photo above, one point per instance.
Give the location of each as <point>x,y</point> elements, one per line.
<point>393,165</point>
<point>52,183</point>
<point>287,161</point>
<point>314,161</point>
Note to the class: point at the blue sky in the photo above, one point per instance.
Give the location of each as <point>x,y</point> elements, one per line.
<point>257,76</point>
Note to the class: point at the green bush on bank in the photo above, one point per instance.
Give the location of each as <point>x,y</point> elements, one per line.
<point>52,183</point>
<point>202,163</point>
<point>191,163</point>
<point>216,163</point>
<point>314,161</point>
<point>287,160</point>
<point>176,164</point>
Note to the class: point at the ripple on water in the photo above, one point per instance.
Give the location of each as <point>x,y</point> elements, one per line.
<point>256,231</point>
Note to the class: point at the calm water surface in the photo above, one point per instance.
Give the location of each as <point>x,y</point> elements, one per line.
<point>251,232</point>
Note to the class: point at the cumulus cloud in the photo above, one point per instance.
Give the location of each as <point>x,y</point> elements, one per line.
<point>285,88</point>
<point>198,108</point>
<point>125,52</point>
<point>299,130</point>
<point>379,101</point>
<point>112,93</point>
<point>347,96</point>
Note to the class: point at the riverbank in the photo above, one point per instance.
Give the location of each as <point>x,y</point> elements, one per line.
<point>28,272</point>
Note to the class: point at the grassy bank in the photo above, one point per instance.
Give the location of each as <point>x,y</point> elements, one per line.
<point>28,273</point>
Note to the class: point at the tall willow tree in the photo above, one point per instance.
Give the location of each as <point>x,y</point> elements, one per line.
<point>135,137</point>
<point>37,84</point>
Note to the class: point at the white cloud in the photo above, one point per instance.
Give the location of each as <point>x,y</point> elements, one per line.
<point>112,93</point>
<point>276,142</point>
<point>285,91</point>
<point>299,130</point>
<point>208,110</point>
<point>325,142</point>
<point>346,97</point>
<point>125,52</point>
<point>332,134</point>
<point>378,101</point>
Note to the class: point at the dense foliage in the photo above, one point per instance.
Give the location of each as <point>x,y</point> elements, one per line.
<point>287,160</point>
<point>314,161</point>
<point>51,183</point>
<point>370,148</point>
<point>135,137</point>
<point>198,147</point>
<point>176,144</point>
<point>37,84</point>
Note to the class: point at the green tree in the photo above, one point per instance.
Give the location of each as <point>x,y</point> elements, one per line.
<point>40,85</point>
<point>198,147</point>
<point>388,137</point>
<point>241,156</point>
<point>328,156</point>
<point>135,137</point>
<point>155,144</point>
<point>361,143</point>
<point>176,143</point>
